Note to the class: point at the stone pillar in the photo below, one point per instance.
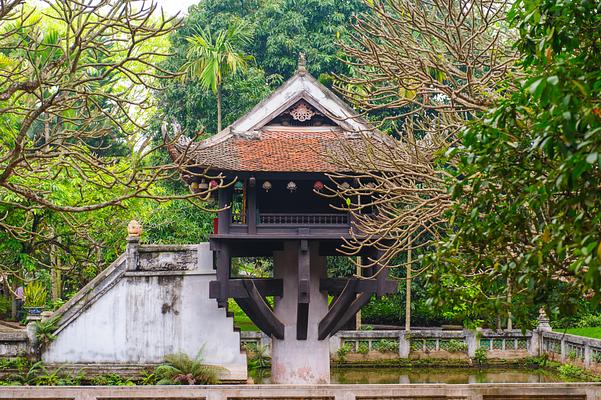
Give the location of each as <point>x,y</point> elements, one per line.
<point>471,338</point>
<point>133,243</point>
<point>335,344</point>
<point>300,361</point>
<point>536,341</point>
<point>404,344</point>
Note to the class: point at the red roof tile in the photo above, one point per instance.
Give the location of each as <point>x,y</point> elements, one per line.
<point>275,150</point>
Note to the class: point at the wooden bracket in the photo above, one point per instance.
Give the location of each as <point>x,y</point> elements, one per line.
<point>259,312</point>
<point>338,309</point>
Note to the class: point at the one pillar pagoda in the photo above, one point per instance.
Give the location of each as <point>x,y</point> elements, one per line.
<point>272,164</point>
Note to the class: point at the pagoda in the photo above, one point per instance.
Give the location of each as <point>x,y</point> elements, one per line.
<point>271,165</point>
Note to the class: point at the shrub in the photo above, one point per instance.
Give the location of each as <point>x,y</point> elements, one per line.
<point>596,357</point>
<point>589,321</point>
<point>18,363</point>
<point>571,371</point>
<point>44,331</point>
<point>250,347</point>
<point>5,305</point>
<point>180,369</point>
<point>111,380</point>
<point>386,346</point>
<point>363,348</point>
<point>343,351</point>
<point>480,356</point>
<point>259,357</point>
<point>456,346</point>
<point>540,361</point>
<point>35,294</point>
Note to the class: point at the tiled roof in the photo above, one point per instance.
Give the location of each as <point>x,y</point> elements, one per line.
<point>275,149</point>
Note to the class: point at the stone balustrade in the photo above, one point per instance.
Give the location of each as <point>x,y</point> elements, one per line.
<point>547,391</point>
<point>427,342</point>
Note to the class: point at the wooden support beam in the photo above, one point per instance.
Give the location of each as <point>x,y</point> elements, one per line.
<point>259,311</point>
<point>225,215</point>
<point>237,290</point>
<point>350,312</point>
<point>338,308</point>
<point>223,266</point>
<point>334,286</point>
<point>304,290</point>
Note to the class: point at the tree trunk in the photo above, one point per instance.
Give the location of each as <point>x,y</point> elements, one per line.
<point>509,316</point>
<point>56,275</point>
<point>359,271</point>
<point>218,108</point>
<point>408,292</point>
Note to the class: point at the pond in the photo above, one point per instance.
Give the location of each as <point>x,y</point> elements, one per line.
<point>430,375</point>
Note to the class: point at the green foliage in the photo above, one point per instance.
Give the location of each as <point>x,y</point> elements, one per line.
<point>37,374</point>
<point>574,372</point>
<point>481,356</point>
<point>589,321</point>
<point>5,305</point>
<point>527,185</point>
<point>180,369</point>
<point>539,361</point>
<point>35,294</point>
<point>363,347</point>
<point>259,356</point>
<point>281,29</point>
<point>456,346</point>
<point>44,331</point>
<point>386,346</point>
<point>111,380</point>
<point>572,355</point>
<point>19,363</point>
<point>212,57</point>
<point>343,351</point>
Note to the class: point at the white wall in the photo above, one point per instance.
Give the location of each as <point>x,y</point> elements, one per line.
<point>148,314</point>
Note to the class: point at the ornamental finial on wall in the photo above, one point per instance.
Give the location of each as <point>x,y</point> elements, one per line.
<point>302,63</point>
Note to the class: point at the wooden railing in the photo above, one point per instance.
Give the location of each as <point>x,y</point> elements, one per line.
<point>303,219</point>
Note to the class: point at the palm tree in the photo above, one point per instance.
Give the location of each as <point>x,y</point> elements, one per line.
<point>212,57</point>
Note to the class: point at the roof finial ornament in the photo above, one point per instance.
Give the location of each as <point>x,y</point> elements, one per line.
<point>302,63</point>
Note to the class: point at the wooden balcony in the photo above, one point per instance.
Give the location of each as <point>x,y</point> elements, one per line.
<point>285,225</point>
<point>303,219</point>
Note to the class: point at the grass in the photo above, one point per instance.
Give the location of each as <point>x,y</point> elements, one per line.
<point>586,332</point>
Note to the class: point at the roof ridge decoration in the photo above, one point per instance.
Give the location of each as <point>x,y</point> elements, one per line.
<point>301,86</point>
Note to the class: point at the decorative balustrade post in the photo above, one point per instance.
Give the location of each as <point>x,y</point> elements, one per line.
<point>587,355</point>
<point>536,341</point>
<point>404,344</point>
<point>471,338</point>
<point>133,243</point>
<point>335,344</point>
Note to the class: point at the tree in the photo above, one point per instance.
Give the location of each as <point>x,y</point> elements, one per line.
<point>211,58</point>
<point>526,191</point>
<point>424,69</point>
<point>76,92</point>
<point>281,29</point>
